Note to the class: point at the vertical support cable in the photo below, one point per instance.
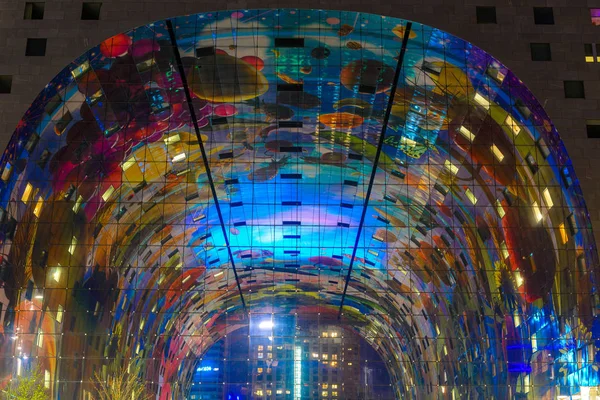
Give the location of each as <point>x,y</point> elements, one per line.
<point>386,119</point>
<point>204,157</point>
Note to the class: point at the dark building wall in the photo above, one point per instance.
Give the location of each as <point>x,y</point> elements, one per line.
<point>508,40</point>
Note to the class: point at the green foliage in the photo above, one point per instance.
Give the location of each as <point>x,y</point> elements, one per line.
<point>27,387</point>
<point>122,383</point>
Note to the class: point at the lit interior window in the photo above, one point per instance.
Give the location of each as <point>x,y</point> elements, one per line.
<point>563,233</point>
<point>518,278</point>
<point>471,196</point>
<point>129,163</point>
<point>40,338</point>
<point>537,211</point>
<point>467,133</point>
<point>77,204</point>
<point>451,167</point>
<point>547,198</point>
<point>81,69</point>
<point>500,209</point>
<point>6,172</point>
<point>595,16</point>
<point>179,157</point>
<point>27,193</point>
<point>59,313</point>
<point>504,250</point>
<point>172,139</point>
<point>510,122</point>
<point>108,193</point>
<point>37,210</point>
<point>47,379</point>
<point>73,245</point>
<point>497,153</point>
<point>482,101</point>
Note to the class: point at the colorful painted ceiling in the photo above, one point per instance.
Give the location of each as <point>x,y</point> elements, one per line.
<point>188,177</point>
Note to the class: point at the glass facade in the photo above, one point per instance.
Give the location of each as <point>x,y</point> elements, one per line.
<point>294,204</point>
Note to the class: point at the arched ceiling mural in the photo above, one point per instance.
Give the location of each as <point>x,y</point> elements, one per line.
<point>186,178</point>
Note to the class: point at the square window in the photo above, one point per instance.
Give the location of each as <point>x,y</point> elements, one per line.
<point>593,128</point>
<point>5,83</point>
<point>485,15</point>
<point>36,47</point>
<point>574,90</point>
<point>90,11</point>
<point>34,10</point>
<point>595,15</point>
<point>541,52</point>
<point>543,15</point>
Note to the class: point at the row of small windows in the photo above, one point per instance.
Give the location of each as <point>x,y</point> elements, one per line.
<point>89,10</point>
<point>543,52</point>
<point>541,15</point>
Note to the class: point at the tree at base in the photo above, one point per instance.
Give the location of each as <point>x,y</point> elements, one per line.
<point>122,383</point>
<point>27,387</point>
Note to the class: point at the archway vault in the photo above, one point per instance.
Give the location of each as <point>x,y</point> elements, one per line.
<point>187,177</point>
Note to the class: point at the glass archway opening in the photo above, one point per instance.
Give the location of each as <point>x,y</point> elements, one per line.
<point>187,177</point>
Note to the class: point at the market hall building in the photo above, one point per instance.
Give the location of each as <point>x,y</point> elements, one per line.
<point>301,203</point>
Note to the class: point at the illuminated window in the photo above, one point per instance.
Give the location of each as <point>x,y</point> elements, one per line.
<point>56,274</point>
<point>453,168</point>
<point>334,386</point>
<point>537,212</point>
<point>467,133</point>
<point>334,334</point>
<point>73,245</point>
<point>497,153</point>
<point>591,52</point>
<point>325,356</point>
<point>500,209</point>
<point>27,193</point>
<point>482,101</point>
<point>315,355</point>
<point>518,278</point>
<point>40,338</point>
<point>510,122</point>
<point>563,233</point>
<point>471,196</point>
<point>47,379</point>
<point>37,210</point>
<point>325,385</point>
<point>260,355</point>
<point>324,393</point>
<point>108,193</point>
<point>179,157</point>
<point>325,334</point>
<point>547,198</point>
<point>504,250</point>
<point>259,370</point>
<point>595,16</point>
<point>260,347</point>
<point>59,314</point>
<point>259,392</point>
